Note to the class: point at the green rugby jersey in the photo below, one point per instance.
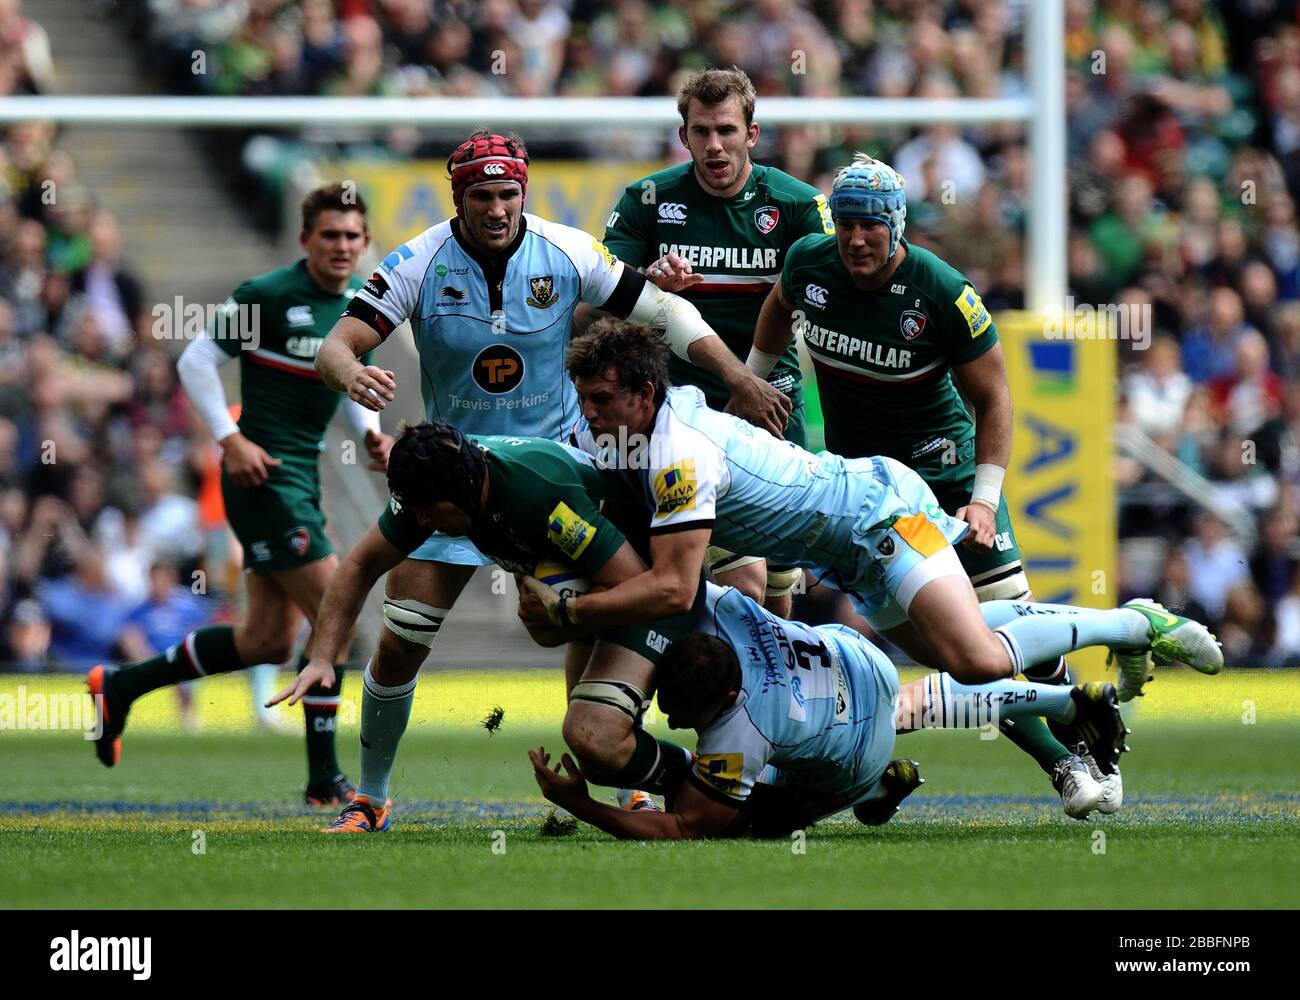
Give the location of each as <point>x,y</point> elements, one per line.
<point>738,244</point>
<point>543,502</point>
<point>884,358</point>
<point>275,323</point>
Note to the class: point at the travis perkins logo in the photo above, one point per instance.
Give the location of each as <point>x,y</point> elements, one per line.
<point>102,954</point>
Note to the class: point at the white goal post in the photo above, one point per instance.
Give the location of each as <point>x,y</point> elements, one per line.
<point>1043,111</point>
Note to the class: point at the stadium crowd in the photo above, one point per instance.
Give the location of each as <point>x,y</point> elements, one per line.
<point>1184,154</point>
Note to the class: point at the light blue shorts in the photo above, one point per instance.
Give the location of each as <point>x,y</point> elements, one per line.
<point>452,549</point>
<point>905,540</point>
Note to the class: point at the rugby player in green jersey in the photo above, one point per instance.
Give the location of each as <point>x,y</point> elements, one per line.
<point>716,230</point>
<point>521,501</point>
<point>894,332</point>
<point>273,324</point>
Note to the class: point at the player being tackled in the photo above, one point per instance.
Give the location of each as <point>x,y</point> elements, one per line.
<point>797,723</point>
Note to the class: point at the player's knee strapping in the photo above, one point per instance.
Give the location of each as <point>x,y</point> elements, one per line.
<point>413,621</point>
<point>782,580</point>
<point>626,698</point>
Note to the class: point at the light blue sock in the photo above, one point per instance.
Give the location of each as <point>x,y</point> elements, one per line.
<point>1042,633</point>
<point>385,712</point>
<point>999,613</point>
<point>949,704</point>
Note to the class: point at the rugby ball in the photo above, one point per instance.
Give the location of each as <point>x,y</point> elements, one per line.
<point>562,576</point>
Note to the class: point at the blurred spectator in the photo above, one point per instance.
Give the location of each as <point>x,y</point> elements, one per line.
<point>1243,629</point>
<point>1157,394</point>
<point>1215,563</point>
<point>1208,350</point>
<point>26,65</point>
<point>1174,590</point>
<point>111,293</point>
<point>27,639</point>
<point>1252,394</point>
<point>85,612</point>
<point>1273,564</point>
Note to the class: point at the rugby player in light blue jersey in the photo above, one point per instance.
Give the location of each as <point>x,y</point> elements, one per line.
<point>796,723</point>
<point>490,296</point>
<point>869,526</point>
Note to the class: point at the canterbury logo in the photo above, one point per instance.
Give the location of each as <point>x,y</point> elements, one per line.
<point>816,295</point>
<point>495,168</point>
<point>672,211</point>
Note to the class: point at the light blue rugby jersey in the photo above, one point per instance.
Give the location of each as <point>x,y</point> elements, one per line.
<point>761,495</point>
<point>806,706</point>
<point>486,377</point>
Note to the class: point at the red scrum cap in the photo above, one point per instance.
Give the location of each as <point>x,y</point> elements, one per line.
<point>486,158</point>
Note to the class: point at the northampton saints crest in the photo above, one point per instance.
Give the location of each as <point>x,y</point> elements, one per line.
<point>544,293</point>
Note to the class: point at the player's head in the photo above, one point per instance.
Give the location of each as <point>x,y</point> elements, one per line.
<point>869,206</point>
<point>334,232</point>
<point>489,180</point>
<point>718,127</point>
<point>437,473</point>
<point>620,370</point>
<point>698,677</point>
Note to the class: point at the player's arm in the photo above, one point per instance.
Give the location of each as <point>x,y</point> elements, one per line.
<point>773,334</point>
<point>984,383</point>
<point>628,295</point>
<point>694,814</point>
<point>666,589</point>
<point>199,370</point>
<point>358,572</point>
<point>339,364</point>
<point>534,597</point>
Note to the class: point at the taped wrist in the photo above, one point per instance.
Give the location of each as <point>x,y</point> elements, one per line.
<point>988,485</point>
<point>679,319</point>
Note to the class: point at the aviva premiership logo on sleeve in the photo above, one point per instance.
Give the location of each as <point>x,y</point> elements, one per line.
<point>569,532</point>
<point>675,488</point>
<point>972,308</point>
<point>722,770</point>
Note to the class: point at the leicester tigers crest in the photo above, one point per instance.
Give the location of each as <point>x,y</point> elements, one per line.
<point>544,293</point>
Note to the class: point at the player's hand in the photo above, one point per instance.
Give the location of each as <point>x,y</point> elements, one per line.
<point>761,404</point>
<point>247,464</point>
<point>565,789</point>
<point>373,387</point>
<point>378,446</point>
<point>670,273</point>
<point>539,605</point>
<point>983,526</point>
<point>316,672</point>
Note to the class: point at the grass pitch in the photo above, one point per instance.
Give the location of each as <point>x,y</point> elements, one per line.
<point>1211,818</point>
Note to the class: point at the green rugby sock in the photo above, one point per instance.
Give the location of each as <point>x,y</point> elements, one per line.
<point>320,707</point>
<point>655,766</point>
<point>200,654</point>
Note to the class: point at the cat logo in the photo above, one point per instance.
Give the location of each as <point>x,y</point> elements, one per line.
<point>656,641</point>
<point>544,293</point>
<point>498,369</point>
<point>766,218</point>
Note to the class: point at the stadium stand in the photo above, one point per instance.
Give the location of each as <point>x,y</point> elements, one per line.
<point>1184,139</point>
